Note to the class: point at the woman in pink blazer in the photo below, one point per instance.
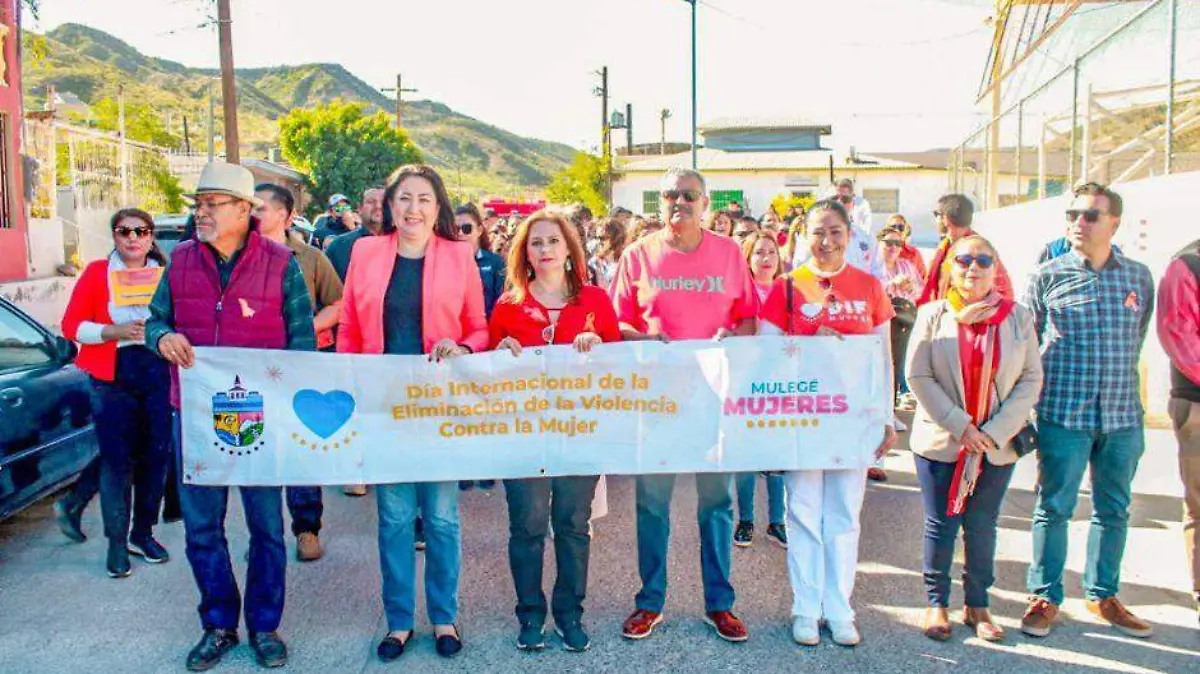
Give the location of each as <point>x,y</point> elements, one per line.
<point>415,289</point>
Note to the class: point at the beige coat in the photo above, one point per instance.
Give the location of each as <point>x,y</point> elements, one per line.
<point>935,377</point>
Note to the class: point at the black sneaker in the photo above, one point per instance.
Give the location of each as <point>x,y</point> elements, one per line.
<point>574,638</point>
<point>532,637</point>
<point>213,645</point>
<point>744,536</point>
<point>149,549</point>
<point>466,485</point>
<point>118,561</point>
<point>778,533</point>
<point>269,649</point>
<point>419,534</point>
<point>69,517</point>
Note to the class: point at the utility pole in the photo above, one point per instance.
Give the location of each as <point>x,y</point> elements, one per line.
<point>663,116</point>
<point>212,140</point>
<point>400,91</point>
<point>629,129</point>
<point>694,114</point>
<point>124,148</point>
<point>187,140</point>
<point>605,133</point>
<point>228,86</point>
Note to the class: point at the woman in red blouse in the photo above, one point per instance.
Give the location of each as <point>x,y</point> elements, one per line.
<point>825,296</point>
<point>550,303</point>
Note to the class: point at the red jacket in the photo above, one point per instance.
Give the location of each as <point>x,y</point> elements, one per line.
<point>527,322</point>
<point>89,302</point>
<point>451,302</point>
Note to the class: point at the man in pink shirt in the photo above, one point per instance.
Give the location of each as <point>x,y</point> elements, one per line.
<point>1179,332</point>
<point>684,282</point>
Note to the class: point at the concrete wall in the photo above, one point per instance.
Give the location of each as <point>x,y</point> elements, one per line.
<point>1153,228</point>
<point>43,299</point>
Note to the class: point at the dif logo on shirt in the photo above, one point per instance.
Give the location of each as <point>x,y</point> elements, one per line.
<point>834,308</point>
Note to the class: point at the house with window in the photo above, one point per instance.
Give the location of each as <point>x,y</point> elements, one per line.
<point>753,160</point>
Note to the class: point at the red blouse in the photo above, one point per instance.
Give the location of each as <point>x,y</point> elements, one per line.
<point>529,322</point>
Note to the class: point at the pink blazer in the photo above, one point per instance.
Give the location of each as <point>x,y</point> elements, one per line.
<point>451,295</point>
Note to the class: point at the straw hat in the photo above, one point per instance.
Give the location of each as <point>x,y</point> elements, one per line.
<point>220,177</point>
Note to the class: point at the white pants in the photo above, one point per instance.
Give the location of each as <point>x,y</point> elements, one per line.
<point>823,529</point>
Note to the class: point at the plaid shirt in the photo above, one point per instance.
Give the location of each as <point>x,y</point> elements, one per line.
<point>1091,327</point>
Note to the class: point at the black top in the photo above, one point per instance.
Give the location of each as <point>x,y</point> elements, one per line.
<point>402,308</point>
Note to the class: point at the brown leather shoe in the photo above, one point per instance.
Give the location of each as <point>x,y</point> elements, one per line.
<point>308,547</point>
<point>981,620</point>
<point>355,490</point>
<point>728,626</point>
<point>877,474</point>
<point>641,624</point>
<point>1039,617</point>
<point>1112,610</point>
<point>937,624</point>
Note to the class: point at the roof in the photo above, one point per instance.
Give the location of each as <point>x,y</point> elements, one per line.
<point>709,159</point>
<point>761,124</point>
<point>273,169</point>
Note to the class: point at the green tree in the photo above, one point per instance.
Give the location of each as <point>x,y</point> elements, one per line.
<point>142,122</point>
<point>581,182</point>
<point>342,148</point>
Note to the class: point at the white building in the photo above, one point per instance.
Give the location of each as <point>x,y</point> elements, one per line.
<point>752,161</point>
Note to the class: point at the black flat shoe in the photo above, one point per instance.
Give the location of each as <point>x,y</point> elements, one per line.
<point>449,645</point>
<point>391,648</point>
<point>70,519</point>
<point>118,561</point>
<point>269,649</point>
<point>213,645</point>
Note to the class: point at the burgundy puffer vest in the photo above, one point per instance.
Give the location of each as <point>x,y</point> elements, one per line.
<point>247,313</point>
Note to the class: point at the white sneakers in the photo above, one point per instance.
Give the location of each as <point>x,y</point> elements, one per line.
<point>845,633</point>
<point>807,632</point>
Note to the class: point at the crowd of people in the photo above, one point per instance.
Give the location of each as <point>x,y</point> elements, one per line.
<point>409,273</point>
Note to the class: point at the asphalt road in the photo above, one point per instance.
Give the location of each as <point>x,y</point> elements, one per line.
<point>60,613</point>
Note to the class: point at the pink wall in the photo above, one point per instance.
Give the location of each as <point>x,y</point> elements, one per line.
<point>13,242</point>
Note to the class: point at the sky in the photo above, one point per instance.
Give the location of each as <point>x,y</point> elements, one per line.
<point>888,75</point>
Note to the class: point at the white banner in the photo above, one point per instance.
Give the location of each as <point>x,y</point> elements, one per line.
<point>253,417</point>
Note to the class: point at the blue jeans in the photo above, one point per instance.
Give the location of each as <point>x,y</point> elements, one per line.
<point>978,524</point>
<point>714,513</point>
<point>399,505</point>
<point>208,554</point>
<point>305,506</point>
<point>1063,457</point>
<point>745,496</point>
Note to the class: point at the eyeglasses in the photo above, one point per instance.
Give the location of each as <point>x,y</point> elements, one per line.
<point>210,205</point>
<point>983,260</point>
<point>1089,215</point>
<point>937,214</point>
<point>891,243</point>
<point>690,196</point>
<point>466,227</point>
<point>845,199</point>
<point>134,232</point>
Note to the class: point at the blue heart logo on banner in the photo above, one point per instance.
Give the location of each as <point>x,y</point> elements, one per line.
<point>323,413</point>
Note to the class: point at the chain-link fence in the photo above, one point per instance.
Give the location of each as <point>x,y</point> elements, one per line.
<point>1112,96</point>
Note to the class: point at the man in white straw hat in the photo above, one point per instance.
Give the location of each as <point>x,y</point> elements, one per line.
<point>231,287</point>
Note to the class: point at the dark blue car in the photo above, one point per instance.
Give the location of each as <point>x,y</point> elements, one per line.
<point>46,433</point>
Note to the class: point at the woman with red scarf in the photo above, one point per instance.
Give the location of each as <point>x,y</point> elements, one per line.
<point>975,369</point>
<point>550,303</point>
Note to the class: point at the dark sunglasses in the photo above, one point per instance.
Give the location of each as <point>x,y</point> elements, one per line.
<point>134,232</point>
<point>893,244</point>
<point>845,198</point>
<point>466,227</point>
<point>938,214</point>
<point>343,208</point>
<point>690,196</point>
<point>1090,215</point>
<point>983,260</point>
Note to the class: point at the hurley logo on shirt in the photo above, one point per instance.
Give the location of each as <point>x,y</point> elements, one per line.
<point>710,284</point>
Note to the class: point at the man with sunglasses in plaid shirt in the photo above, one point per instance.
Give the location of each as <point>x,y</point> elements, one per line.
<point>1092,308</point>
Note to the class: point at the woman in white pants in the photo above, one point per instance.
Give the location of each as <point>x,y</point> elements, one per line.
<point>827,297</point>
